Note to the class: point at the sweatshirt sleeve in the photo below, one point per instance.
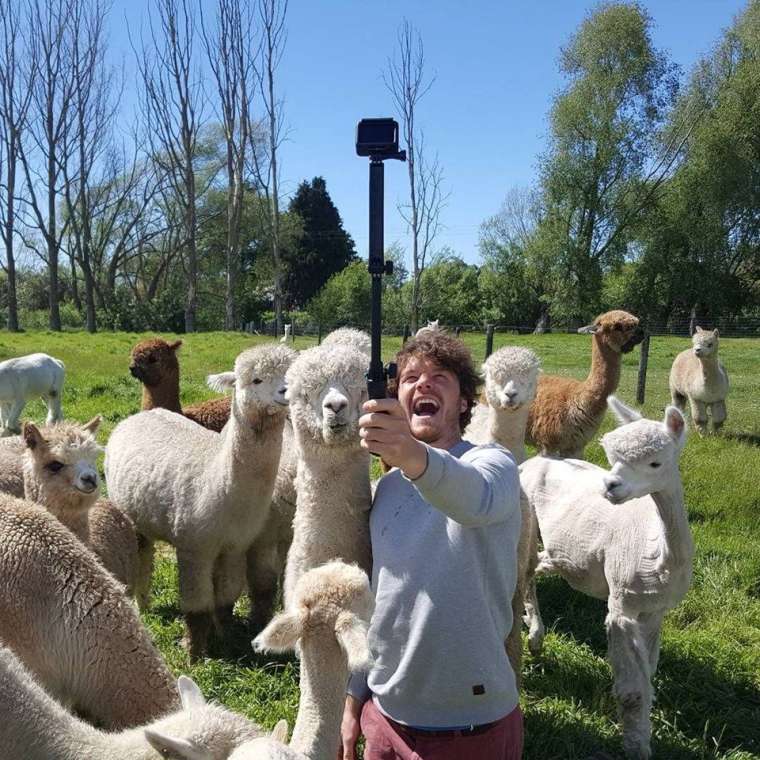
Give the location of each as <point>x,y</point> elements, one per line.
<point>480,488</point>
<point>357,686</point>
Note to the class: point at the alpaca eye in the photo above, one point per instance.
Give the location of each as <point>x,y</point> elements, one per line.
<point>654,465</point>
<point>55,466</point>
<point>256,381</point>
<point>152,359</point>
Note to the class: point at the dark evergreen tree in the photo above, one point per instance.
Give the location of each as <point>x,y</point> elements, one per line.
<point>323,249</point>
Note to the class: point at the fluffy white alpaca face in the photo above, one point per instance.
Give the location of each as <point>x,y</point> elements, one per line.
<point>705,343</point>
<point>644,456</point>
<point>509,392</point>
<point>337,408</point>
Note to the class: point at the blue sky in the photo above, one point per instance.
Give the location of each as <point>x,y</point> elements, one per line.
<point>496,71</point>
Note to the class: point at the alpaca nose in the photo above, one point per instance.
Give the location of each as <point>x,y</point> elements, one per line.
<point>611,482</point>
<point>90,481</point>
<point>510,395</point>
<point>336,405</point>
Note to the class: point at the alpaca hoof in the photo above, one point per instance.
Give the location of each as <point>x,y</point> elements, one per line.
<point>198,626</point>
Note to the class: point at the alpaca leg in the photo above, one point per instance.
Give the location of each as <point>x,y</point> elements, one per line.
<point>651,626</point>
<point>532,618</point>
<point>699,415</point>
<point>719,414</point>
<point>13,416</point>
<point>229,582</point>
<point>145,550</point>
<point>196,592</point>
<point>678,399</point>
<point>264,568</point>
<point>53,402</point>
<point>5,411</point>
<point>632,687</point>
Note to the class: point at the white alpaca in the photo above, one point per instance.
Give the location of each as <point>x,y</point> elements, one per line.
<point>432,324</point>
<point>349,336</point>
<point>620,535</point>
<point>511,376</point>
<point>206,493</point>
<point>326,388</point>
<point>32,376</point>
<point>288,334</point>
<point>698,376</point>
<point>61,474</point>
<point>328,619</point>
<point>33,726</point>
<point>73,626</point>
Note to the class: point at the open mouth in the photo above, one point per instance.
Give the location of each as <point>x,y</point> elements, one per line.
<point>425,407</point>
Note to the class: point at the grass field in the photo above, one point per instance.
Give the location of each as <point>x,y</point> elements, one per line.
<point>708,682</point>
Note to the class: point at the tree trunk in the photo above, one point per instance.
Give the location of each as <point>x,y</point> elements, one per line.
<point>544,322</point>
<point>10,259</point>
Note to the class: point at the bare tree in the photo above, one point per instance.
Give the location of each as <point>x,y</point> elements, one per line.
<point>271,15</point>
<point>406,81</point>
<point>95,97</point>
<point>14,102</point>
<point>49,123</point>
<point>230,49</point>
<point>173,103</point>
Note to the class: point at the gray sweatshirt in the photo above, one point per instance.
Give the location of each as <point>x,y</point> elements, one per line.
<point>444,553</point>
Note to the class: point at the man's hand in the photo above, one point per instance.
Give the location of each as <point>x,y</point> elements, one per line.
<point>384,430</point>
<point>350,728</point>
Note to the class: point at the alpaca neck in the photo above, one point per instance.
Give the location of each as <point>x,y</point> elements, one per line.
<point>324,674</point>
<point>710,368</point>
<point>604,375</point>
<point>672,512</point>
<point>508,429</point>
<point>248,455</point>
<point>165,395</point>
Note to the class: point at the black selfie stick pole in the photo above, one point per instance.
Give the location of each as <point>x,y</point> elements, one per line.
<point>377,375</point>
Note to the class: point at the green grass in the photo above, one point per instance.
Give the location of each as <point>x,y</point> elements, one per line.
<point>708,682</point>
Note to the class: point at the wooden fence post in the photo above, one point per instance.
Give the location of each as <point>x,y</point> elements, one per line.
<point>489,340</point>
<point>458,330</point>
<point>643,361</point>
<point>405,337</point>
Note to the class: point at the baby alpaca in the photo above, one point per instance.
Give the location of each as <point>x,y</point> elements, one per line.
<point>61,474</point>
<point>326,388</point>
<point>566,413</point>
<point>637,554</point>
<point>328,619</point>
<point>29,377</point>
<point>33,726</point>
<point>205,493</point>
<point>71,624</point>
<point>154,364</point>
<point>698,376</point>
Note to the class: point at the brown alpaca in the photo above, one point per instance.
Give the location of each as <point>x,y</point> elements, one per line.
<point>154,364</point>
<point>566,413</point>
<point>60,474</point>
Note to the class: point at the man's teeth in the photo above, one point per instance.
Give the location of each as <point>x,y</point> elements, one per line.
<point>426,407</point>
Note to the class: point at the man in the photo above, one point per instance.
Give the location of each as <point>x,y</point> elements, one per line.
<point>445,525</point>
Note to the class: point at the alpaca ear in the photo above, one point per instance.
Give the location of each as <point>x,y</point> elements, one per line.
<point>168,746</point>
<point>624,414</point>
<point>589,329</point>
<point>92,426</point>
<point>675,423</point>
<point>32,436</point>
<point>280,732</point>
<point>698,329</point>
<point>351,632</point>
<point>189,693</point>
<point>280,635</point>
<point>174,346</point>
<point>222,382</point>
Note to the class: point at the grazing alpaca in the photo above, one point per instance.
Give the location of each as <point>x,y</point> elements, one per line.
<point>154,364</point>
<point>61,474</point>
<point>698,376</point>
<point>511,374</point>
<point>326,388</point>
<point>328,619</point>
<point>205,493</point>
<point>566,413</point>
<point>620,535</point>
<point>33,726</point>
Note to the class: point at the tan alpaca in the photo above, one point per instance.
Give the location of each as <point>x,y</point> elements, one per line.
<point>566,413</point>
<point>154,364</point>
<point>60,474</point>
<point>698,376</point>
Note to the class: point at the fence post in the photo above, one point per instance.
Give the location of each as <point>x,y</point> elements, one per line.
<point>489,340</point>
<point>293,330</point>
<point>458,330</point>
<point>643,361</point>
<point>405,337</point>
<point>319,333</point>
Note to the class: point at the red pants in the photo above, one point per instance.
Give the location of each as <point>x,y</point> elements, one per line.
<point>386,740</point>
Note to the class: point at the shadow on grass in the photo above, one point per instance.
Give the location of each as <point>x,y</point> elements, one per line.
<point>753,439</point>
<point>708,707</point>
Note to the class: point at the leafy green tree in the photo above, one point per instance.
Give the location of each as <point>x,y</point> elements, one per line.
<point>449,289</point>
<point>323,249</point>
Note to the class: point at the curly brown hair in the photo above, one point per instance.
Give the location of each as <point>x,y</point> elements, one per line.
<point>448,353</point>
